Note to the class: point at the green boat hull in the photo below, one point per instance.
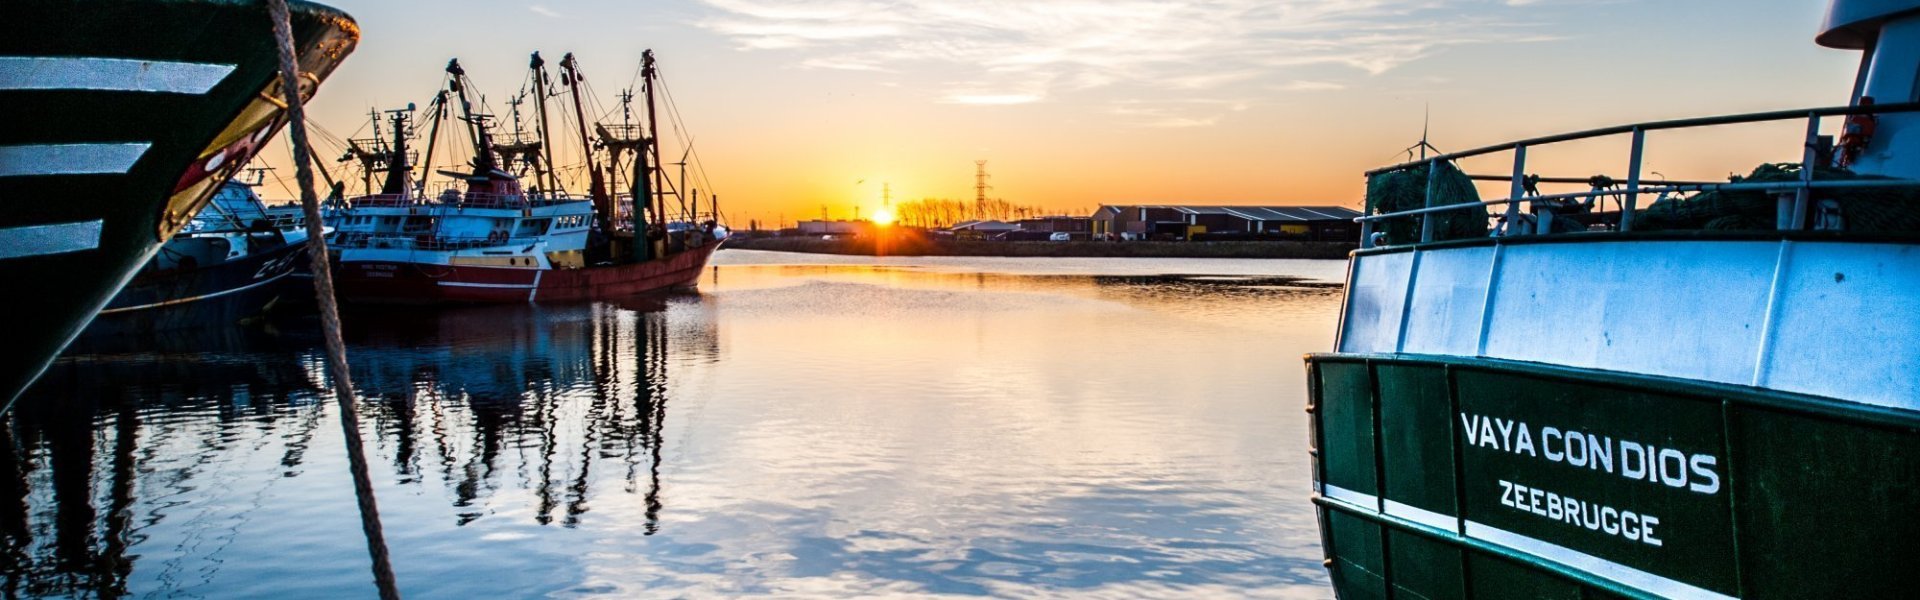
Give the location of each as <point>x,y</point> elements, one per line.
<point>1449,477</point>
<point>181,92</point>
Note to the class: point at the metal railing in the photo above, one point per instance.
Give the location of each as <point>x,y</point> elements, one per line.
<point>450,195</point>
<point>427,241</point>
<point>1792,214</point>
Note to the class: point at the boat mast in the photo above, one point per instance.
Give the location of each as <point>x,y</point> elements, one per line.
<point>540,110</point>
<point>439,108</point>
<point>625,137</point>
<point>596,186</point>
<point>483,162</point>
<point>652,147</point>
<point>369,158</point>
<point>398,171</point>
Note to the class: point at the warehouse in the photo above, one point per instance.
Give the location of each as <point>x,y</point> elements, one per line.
<point>1310,223</point>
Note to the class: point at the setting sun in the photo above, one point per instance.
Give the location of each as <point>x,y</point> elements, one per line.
<point>883,216</point>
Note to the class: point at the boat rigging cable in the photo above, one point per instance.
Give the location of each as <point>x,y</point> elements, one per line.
<point>329,311</point>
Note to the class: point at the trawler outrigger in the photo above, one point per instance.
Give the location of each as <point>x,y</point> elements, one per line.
<point>489,240</point>
<point>1715,396</point>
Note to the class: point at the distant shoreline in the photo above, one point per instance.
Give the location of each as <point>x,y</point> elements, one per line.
<point>921,247</point>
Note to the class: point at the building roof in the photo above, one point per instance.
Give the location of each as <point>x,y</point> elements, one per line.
<point>1259,213</point>
<point>983,226</point>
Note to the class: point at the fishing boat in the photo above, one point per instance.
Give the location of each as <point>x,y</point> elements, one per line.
<point>1714,395</point>
<point>230,263</point>
<point>487,237</point>
<point>126,118</point>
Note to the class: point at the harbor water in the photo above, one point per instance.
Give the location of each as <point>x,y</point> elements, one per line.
<point>801,426</point>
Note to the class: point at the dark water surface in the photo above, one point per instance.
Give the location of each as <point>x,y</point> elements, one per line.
<point>869,427</point>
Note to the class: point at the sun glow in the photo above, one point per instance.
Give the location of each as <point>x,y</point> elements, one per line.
<point>883,216</point>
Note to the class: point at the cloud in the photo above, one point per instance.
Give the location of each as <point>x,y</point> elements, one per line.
<point>1076,45</point>
<point>1308,86</point>
<point>542,10</point>
<point>990,98</point>
<point>1170,114</point>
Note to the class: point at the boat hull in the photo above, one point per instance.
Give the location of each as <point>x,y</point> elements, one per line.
<point>407,283</point>
<point>133,113</point>
<point>1684,414</point>
<point>211,296</point>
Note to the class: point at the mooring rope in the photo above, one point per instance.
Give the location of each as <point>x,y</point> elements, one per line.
<point>329,312</point>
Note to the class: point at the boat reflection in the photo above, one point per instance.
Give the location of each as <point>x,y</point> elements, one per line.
<point>457,392</point>
<point>504,410</point>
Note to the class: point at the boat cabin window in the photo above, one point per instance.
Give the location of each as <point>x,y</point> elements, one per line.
<point>418,225</point>
<point>531,227</point>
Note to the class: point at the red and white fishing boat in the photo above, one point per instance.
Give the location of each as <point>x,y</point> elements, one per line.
<point>485,238</point>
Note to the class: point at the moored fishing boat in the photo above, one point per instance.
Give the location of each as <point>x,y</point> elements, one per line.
<point>131,114</point>
<point>488,239</point>
<point>1715,396</point>
<point>229,264</point>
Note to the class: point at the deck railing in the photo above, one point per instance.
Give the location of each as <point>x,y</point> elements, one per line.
<point>427,241</point>
<point>455,197</point>
<point>1792,214</point>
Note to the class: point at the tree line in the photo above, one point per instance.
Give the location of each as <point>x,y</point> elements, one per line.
<point>934,213</point>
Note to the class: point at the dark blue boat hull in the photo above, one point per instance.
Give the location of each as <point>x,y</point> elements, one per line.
<point>213,296</point>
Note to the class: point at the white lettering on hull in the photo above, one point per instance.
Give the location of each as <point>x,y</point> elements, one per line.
<point>1632,460</point>
<point>1589,515</point>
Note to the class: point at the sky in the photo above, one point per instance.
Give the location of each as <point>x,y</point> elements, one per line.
<point>800,108</point>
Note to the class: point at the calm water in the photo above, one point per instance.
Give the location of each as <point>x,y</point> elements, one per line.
<point>894,427</point>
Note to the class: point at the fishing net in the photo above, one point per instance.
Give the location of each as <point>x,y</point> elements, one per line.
<point>1865,210</point>
<point>1396,191</point>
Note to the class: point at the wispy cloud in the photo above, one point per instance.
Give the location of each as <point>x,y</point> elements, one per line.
<point>1020,51</point>
<point>542,10</point>
<point>1308,86</point>
<point>990,98</point>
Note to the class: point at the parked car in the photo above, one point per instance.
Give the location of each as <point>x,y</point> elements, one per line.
<point>1059,236</point>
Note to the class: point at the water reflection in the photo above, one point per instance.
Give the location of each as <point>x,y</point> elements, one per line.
<point>836,430</point>
<point>471,401</point>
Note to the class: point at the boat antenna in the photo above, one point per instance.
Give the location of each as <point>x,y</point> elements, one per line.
<point>259,175</point>
<point>398,170</point>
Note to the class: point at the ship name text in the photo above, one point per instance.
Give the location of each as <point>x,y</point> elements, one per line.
<point>1638,461</point>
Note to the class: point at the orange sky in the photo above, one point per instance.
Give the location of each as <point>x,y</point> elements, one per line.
<point>1081,103</point>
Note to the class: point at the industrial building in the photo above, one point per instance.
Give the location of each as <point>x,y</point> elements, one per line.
<point>841,228</point>
<point>1307,223</point>
<point>982,230</point>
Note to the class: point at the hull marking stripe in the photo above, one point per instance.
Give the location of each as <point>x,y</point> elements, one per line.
<point>38,240</point>
<point>70,159</point>
<point>1422,516</point>
<point>509,286</point>
<point>1352,497</point>
<point>174,301</point>
<point>1661,586</point>
<point>109,74</point>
